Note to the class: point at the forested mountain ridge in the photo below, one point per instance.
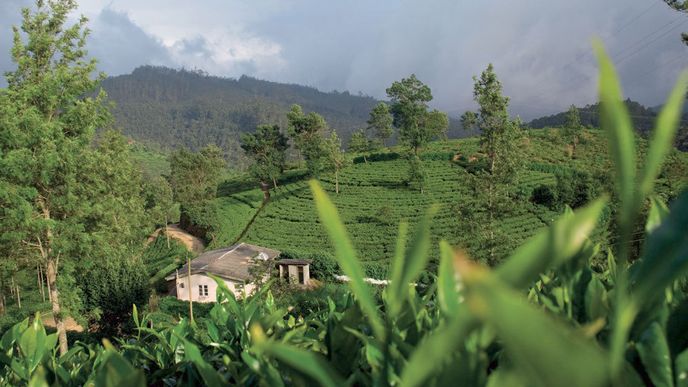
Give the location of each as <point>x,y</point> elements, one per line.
<point>643,119</point>
<point>172,107</point>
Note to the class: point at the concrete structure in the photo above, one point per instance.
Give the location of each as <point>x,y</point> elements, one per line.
<point>233,264</point>
<point>296,271</point>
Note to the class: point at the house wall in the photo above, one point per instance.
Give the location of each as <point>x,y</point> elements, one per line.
<point>202,279</point>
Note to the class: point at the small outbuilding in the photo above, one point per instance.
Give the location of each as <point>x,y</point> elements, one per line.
<point>295,271</point>
<point>233,264</point>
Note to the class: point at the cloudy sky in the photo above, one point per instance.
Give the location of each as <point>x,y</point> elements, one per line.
<point>540,48</point>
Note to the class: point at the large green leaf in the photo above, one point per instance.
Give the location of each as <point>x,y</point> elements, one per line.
<point>663,136</point>
<point>666,254</point>
<point>681,367</point>
<point>415,260</point>
<point>545,351</point>
<point>346,257</point>
<point>617,123</point>
<point>654,353</point>
<point>115,370</point>
<point>447,284</point>
<point>658,212</point>
<point>550,248</point>
<point>208,373</point>
<point>301,360</point>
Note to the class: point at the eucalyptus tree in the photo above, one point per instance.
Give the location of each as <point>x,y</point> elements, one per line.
<point>335,159</point>
<point>573,128</point>
<point>48,117</point>
<point>501,142</point>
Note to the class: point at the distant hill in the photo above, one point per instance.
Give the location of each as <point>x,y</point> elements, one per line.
<point>643,119</point>
<point>168,107</point>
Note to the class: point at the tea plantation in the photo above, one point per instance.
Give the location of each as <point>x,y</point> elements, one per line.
<point>374,198</point>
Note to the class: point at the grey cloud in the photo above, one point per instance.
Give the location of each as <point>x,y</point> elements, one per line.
<point>541,49</point>
<point>120,45</point>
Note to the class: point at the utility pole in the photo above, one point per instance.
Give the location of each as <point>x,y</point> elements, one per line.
<point>188,259</point>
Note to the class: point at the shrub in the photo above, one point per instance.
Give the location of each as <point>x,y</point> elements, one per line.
<point>543,195</point>
<point>109,290</point>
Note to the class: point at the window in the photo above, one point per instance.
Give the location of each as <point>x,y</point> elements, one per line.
<point>203,290</point>
<point>181,285</point>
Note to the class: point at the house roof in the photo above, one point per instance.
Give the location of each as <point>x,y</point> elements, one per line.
<point>231,262</point>
<point>294,262</point>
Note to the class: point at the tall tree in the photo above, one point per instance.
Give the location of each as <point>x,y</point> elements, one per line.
<point>47,120</point>
<point>267,147</point>
<point>159,202</point>
<point>359,143</point>
<point>381,122</point>
<point>501,141</point>
<point>194,177</point>
<point>573,128</point>
<point>308,131</point>
<point>499,135</point>
<point>335,159</point>
<point>416,125</point>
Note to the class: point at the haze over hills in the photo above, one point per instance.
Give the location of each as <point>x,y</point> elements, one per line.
<point>171,107</point>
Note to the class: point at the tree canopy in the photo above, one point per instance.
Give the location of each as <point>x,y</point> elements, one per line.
<point>267,148</point>
<point>409,107</point>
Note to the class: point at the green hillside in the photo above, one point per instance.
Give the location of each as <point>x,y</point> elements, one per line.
<point>374,198</point>
<point>170,108</point>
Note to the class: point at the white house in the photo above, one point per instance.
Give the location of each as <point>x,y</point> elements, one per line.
<point>232,264</point>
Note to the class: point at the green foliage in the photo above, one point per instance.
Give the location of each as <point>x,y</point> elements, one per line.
<point>71,201</point>
<point>175,108</point>
<point>334,159</point>
<point>359,143</point>
<point>381,122</point>
<point>307,131</point>
<point>267,148</point>
<point>194,179</point>
<point>109,290</point>
<point>417,126</point>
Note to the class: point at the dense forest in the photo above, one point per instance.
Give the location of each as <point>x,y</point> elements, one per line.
<point>168,107</point>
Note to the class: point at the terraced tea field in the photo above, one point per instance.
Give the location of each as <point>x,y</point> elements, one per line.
<point>374,199</point>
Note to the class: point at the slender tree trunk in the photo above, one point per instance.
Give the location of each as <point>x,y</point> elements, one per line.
<point>39,273</point>
<point>188,258</point>
<point>490,223</point>
<point>266,191</point>
<point>365,159</point>
<point>18,297</point>
<point>52,262</point>
<point>12,288</point>
<point>167,233</point>
<point>47,283</point>
<point>336,180</point>
<point>2,295</point>
<point>57,310</point>
<point>274,182</point>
